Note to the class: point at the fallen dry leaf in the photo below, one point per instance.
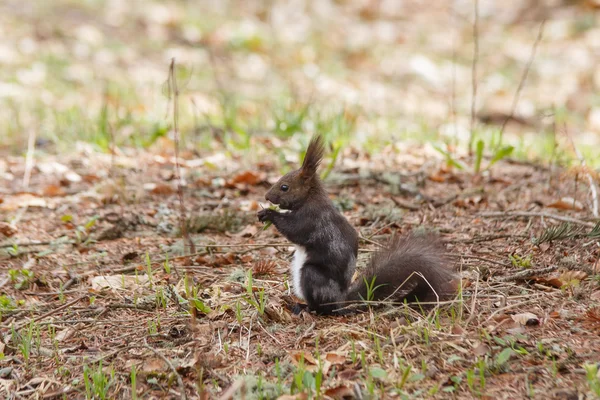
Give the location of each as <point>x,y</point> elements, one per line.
<point>7,229</point>
<point>217,260</point>
<point>347,374</point>
<point>248,178</point>
<point>470,201</point>
<point>153,365</point>
<point>571,276</point>
<point>481,349</point>
<point>544,247</point>
<point>53,191</point>
<point>335,358</point>
<point>437,178</point>
<point>126,282</point>
<point>310,363</point>
<point>526,318</point>
<point>64,334</point>
<point>299,396</point>
<point>298,355</point>
<point>566,278</point>
<point>566,203</point>
<point>457,330</point>
<point>160,189</point>
<point>595,296</point>
<point>340,392</point>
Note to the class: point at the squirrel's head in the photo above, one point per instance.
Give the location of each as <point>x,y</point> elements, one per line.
<point>297,187</point>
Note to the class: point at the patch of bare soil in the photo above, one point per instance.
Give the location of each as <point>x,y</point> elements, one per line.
<point>95,284</point>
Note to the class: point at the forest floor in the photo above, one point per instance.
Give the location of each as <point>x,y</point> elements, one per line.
<point>94,278</point>
<point>97,289</point>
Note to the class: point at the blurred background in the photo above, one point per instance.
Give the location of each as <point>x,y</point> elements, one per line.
<point>93,72</point>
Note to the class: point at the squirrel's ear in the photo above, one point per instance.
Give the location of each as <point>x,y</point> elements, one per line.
<point>313,157</point>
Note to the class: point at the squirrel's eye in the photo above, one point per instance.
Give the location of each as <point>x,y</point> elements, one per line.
<point>284,188</point>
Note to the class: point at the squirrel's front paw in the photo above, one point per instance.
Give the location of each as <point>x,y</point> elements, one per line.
<point>264,215</point>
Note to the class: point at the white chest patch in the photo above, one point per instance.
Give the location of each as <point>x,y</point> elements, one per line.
<point>297,264</point>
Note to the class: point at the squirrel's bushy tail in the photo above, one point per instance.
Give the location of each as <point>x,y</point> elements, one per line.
<point>411,268</point>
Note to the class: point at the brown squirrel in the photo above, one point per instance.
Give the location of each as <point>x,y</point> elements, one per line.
<point>411,268</point>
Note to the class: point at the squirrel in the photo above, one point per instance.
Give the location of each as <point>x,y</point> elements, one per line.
<point>409,269</point>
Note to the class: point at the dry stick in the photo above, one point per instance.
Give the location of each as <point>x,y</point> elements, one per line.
<point>381,229</point>
<point>361,237</point>
<point>473,301</point>
<point>249,335</point>
<point>49,313</point>
<point>501,310</point>
<point>110,130</point>
<point>593,189</point>
<point>184,232</point>
<point>405,204</point>
<point>247,245</point>
<point>494,214</point>
<point>29,158</point>
<point>453,97</point>
<point>513,108</point>
<point>488,238</point>
<point>477,258</point>
<point>526,274</point>
<point>28,244</point>
<point>174,89</point>
<point>474,71</point>
<point>166,360</point>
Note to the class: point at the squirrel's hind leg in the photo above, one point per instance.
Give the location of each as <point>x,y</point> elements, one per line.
<point>322,293</point>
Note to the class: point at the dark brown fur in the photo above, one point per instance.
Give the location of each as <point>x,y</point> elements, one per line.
<point>303,183</point>
<point>410,269</point>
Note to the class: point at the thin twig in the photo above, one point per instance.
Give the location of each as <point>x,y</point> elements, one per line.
<point>593,189</point>
<point>175,92</point>
<point>500,214</point>
<point>370,241</point>
<point>29,244</point>
<point>528,273</point>
<point>487,238</point>
<point>52,312</point>
<point>405,204</point>
<point>473,301</point>
<point>474,71</point>
<point>478,258</point>
<point>249,335</point>
<point>166,360</point>
<point>501,310</point>
<point>453,86</point>
<point>523,79</point>
<point>29,158</point>
<point>259,245</point>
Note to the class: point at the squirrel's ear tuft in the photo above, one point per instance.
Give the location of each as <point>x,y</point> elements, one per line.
<point>314,155</point>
